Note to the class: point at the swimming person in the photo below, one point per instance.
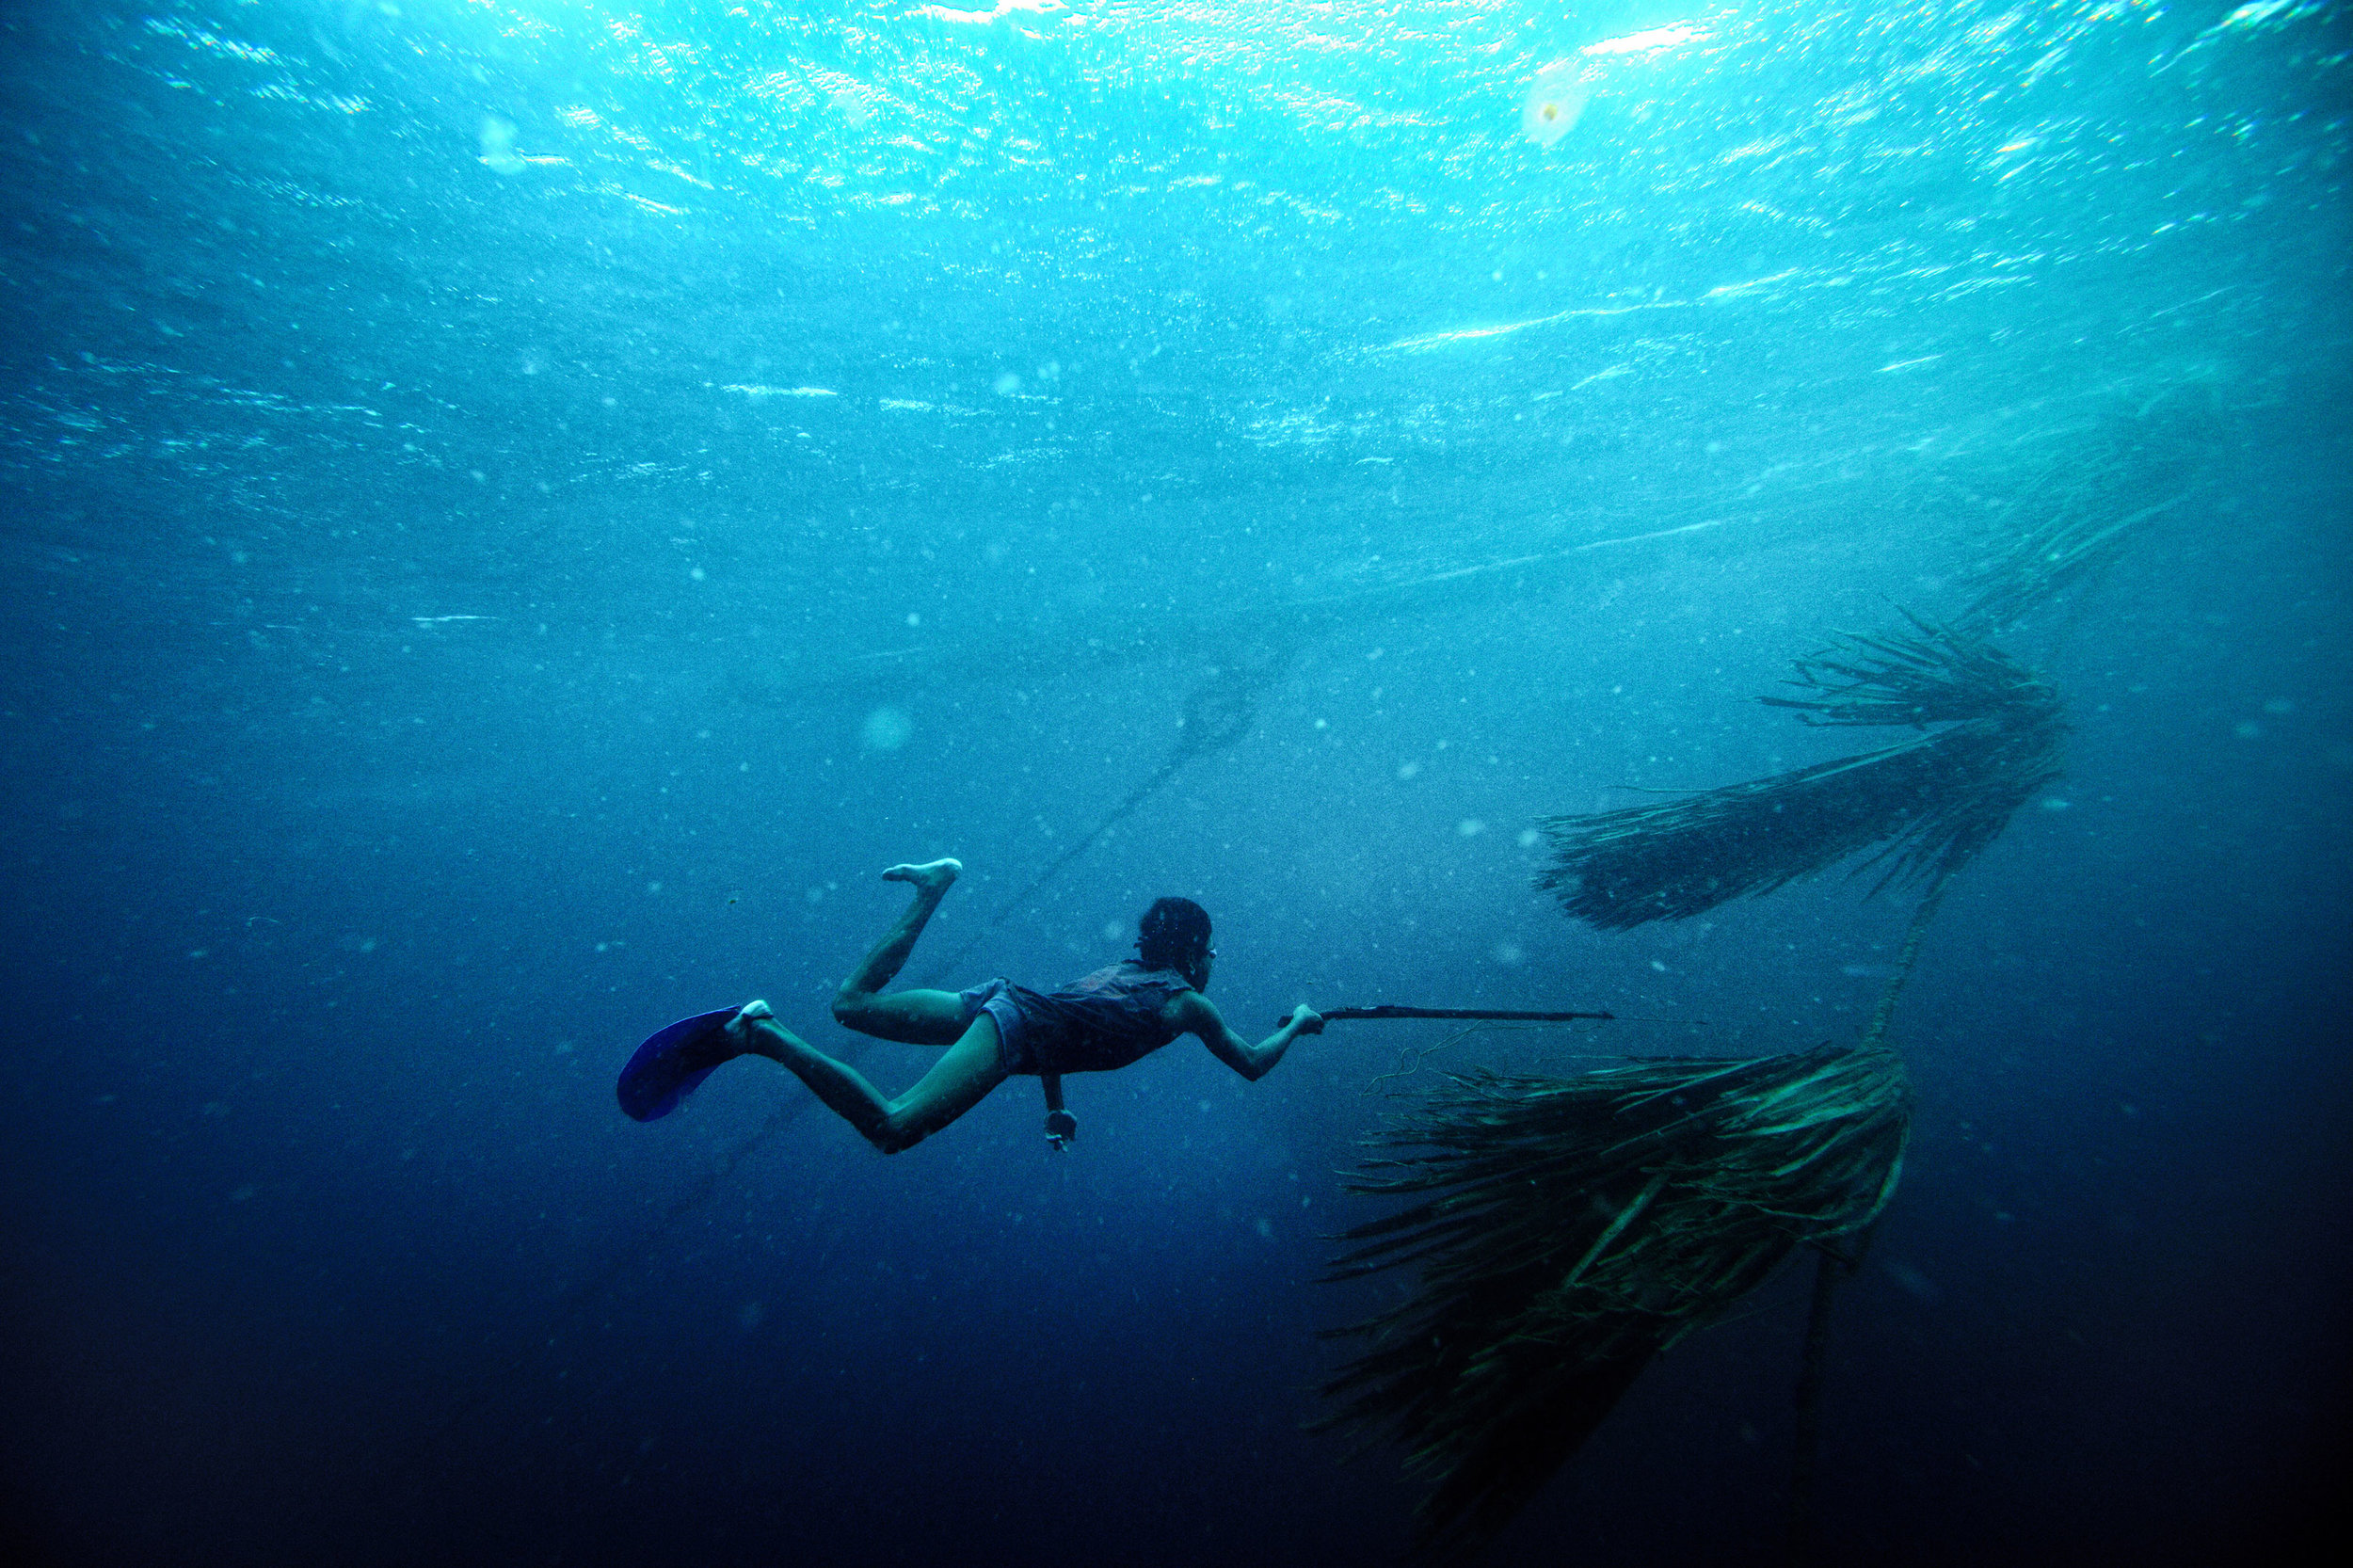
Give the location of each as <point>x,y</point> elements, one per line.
<point>995,1031</point>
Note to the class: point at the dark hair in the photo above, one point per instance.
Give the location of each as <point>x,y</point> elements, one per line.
<point>1175,932</point>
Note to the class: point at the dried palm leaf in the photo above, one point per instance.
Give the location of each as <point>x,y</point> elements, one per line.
<point>2073,541</point>
<point>2072,520</point>
<point>1568,1230</point>
<point>1931,802</point>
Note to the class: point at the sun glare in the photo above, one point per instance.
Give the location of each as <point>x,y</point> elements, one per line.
<point>1555,99</point>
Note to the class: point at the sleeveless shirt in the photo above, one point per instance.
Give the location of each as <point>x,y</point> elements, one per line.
<point>1096,1023</point>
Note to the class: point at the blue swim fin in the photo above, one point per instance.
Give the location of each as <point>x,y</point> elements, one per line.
<point>672,1062</point>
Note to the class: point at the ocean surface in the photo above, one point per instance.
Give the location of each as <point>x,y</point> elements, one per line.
<point>515,511</point>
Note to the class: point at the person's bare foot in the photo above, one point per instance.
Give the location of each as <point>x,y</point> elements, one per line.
<point>934,877</point>
<point>744,1028</point>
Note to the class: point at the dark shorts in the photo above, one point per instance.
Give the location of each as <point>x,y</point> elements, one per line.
<point>994,997</point>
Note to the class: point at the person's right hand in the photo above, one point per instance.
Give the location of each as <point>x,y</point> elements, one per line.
<point>1306,1020</point>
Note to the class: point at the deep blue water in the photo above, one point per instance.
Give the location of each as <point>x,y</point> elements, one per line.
<point>514,513</point>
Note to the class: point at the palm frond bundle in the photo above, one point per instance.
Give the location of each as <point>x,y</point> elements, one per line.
<point>1567,1230</point>
<point>2074,540</point>
<point>2073,520</point>
<point>1929,802</point>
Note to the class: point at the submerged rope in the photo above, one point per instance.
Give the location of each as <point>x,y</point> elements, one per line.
<point>1830,1267</point>
<point>1884,1013</point>
<point>1218,714</point>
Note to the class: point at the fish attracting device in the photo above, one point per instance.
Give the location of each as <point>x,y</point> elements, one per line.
<point>1565,1230</point>
<point>1568,1230</point>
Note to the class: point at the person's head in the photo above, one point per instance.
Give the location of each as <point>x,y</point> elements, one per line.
<point>1174,935</point>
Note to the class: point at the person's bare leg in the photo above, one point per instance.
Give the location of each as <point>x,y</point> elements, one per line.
<point>914,1017</point>
<point>957,1082</point>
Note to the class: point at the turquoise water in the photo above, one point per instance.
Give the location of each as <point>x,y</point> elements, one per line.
<point>515,513</point>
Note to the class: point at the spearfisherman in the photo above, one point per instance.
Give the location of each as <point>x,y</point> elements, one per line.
<point>997,1030</point>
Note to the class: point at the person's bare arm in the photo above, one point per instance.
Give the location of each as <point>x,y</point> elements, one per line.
<point>1197,1015</point>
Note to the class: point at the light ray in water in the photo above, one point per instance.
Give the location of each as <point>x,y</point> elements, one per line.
<point>1427,341</point>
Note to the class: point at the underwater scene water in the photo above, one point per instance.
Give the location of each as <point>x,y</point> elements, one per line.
<point>516,511</point>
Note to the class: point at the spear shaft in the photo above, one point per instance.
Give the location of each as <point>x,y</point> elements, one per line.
<point>1391,1010</point>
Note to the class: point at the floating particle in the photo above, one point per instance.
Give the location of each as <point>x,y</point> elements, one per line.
<point>886,729</point>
